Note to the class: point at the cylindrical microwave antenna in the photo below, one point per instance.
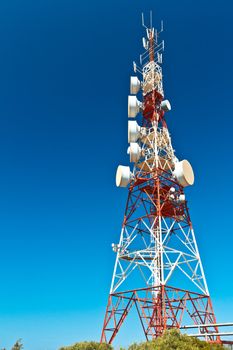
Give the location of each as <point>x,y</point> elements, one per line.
<point>133,131</point>
<point>123,176</point>
<point>184,173</point>
<point>134,152</point>
<point>166,106</point>
<point>134,106</point>
<point>135,85</point>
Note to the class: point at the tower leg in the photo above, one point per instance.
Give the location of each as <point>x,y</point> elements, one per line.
<point>118,308</point>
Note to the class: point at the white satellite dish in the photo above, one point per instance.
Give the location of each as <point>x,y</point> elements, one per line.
<point>134,106</point>
<point>133,131</point>
<point>135,85</point>
<point>166,106</point>
<point>184,173</point>
<point>134,152</point>
<point>123,176</point>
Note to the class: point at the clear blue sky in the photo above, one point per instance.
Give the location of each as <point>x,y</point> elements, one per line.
<point>64,81</point>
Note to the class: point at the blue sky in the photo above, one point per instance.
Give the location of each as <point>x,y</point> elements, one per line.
<point>64,81</point>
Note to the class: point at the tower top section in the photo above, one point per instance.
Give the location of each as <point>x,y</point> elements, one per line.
<point>151,59</point>
<point>150,147</point>
<point>152,45</point>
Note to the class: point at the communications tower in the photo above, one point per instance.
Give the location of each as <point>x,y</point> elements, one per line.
<point>158,269</point>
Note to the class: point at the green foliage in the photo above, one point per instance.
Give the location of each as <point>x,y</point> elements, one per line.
<point>171,340</point>
<point>88,346</point>
<point>18,345</point>
<point>174,340</point>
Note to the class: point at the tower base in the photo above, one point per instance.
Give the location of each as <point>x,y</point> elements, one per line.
<point>159,308</point>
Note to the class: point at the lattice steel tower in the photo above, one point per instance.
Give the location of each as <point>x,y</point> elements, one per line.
<point>158,268</point>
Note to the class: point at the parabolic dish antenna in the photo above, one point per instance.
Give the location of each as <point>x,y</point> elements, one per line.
<point>166,106</point>
<point>184,173</point>
<point>134,85</point>
<point>123,176</point>
<point>134,106</point>
<point>133,131</point>
<point>134,152</point>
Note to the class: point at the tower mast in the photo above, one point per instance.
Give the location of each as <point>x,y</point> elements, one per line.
<point>158,268</point>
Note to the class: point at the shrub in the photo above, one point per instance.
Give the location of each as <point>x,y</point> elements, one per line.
<point>88,346</point>
<point>174,340</point>
<point>171,340</point>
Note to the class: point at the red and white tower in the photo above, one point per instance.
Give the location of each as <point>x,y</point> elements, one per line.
<point>158,269</point>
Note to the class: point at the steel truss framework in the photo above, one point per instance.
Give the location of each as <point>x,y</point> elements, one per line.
<point>158,308</point>
<point>157,246</point>
<point>157,238</point>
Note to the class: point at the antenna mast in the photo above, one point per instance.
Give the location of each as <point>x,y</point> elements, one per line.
<point>158,267</point>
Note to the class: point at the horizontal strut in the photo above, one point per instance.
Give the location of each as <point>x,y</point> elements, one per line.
<point>228,324</point>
